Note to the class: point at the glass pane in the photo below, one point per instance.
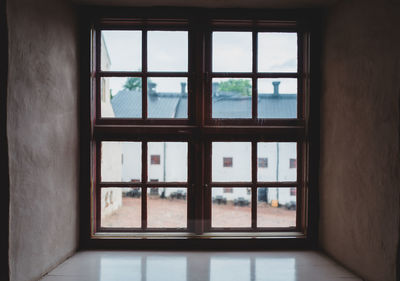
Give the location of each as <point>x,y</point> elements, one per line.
<point>231,98</point>
<point>121,161</point>
<point>282,161</point>
<point>231,161</point>
<point>166,207</point>
<point>121,50</point>
<point>276,207</point>
<point>167,98</point>
<point>231,207</point>
<point>232,52</point>
<point>167,50</point>
<point>277,52</point>
<point>121,207</point>
<point>121,97</point>
<point>277,98</point>
<point>167,161</point>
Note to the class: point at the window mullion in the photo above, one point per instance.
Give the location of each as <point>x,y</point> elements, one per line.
<point>144,185</point>
<point>254,78</point>
<point>144,77</point>
<point>254,185</point>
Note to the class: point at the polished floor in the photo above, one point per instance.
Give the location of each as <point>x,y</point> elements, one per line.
<point>199,266</point>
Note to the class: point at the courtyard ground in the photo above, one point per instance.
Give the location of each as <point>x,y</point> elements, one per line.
<point>172,213</point>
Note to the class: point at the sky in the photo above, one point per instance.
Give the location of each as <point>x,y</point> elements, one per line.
<point>232,52</point>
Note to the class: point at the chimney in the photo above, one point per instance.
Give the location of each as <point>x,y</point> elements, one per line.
<point>276,88</point>
<point>183,88</point>
<point>152,87</point>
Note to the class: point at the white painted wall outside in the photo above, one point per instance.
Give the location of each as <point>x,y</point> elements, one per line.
<point>174,156</point>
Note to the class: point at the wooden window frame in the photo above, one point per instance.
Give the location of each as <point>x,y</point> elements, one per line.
<point>199,130</point>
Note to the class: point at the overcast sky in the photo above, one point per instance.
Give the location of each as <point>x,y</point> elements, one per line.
<point>232,52</point>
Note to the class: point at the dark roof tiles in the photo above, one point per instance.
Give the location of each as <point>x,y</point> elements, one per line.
<point>128,104</point>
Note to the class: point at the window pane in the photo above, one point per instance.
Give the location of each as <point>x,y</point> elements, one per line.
<point>172,165</point>
<point>121,161</point>
<point>232,52</point>
<point>231,98</point>
<point>279,155</point>
<point>231,207</point>
<point>277,52</point>
<point>277,98</point>
<point>167,98</point>
<point>166,207</point>
<point>121,50</point>
<point>121,97</point>
<point>239,168</point>
<point>276,207</point>
<point>167,50</point>
<point>121,207</point>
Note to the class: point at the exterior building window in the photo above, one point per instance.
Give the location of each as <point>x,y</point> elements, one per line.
<point>262,162</point>
<point>155,159</point>
<point>194,90</point>
<point>227,162</point>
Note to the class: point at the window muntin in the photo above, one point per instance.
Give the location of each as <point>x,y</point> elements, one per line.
<point>215,134</point>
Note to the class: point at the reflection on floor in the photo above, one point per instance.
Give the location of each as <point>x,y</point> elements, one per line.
<point>199,266</point>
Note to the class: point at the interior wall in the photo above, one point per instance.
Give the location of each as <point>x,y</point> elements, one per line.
<point>42,112</point>
<point>4,179</point>
<point>360,119</point>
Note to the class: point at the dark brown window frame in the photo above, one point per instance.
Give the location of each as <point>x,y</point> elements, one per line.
<point>292,130</point>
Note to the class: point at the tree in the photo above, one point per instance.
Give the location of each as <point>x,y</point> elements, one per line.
<point>241,86</point>
<point>133,83</point>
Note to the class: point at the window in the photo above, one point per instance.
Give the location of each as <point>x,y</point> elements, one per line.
<point>228,190</point>
<point>262,162</point>
<point>191,94</point>
<point>155,160</point>
<point>227,162</point>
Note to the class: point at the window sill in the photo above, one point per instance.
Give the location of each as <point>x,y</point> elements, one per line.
<point>209,235</point>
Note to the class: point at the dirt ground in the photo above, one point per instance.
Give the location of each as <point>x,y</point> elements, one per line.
<point>172,213</point>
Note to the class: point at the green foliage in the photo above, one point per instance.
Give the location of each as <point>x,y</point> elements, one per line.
<point>241,86</point>
<point>133,83</point>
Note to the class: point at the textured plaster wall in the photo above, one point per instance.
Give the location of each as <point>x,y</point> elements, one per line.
<point>360,166</point>
<point>42,113</point>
